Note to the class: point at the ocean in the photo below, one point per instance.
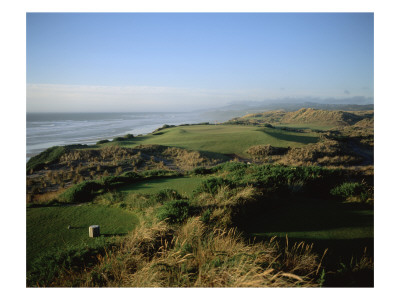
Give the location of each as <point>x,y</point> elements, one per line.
<point>44,130</point>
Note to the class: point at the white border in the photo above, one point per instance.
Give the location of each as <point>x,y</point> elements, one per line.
<point>12,24</point>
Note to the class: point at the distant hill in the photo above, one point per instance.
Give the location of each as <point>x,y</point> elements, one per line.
<point>307,116</point>
<point>236,110</point>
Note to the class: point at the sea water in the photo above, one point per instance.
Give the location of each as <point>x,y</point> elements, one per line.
<point>44,130</point>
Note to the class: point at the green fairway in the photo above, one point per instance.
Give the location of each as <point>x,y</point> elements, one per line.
<point>47,226</point>
<point>184,185</point>
<point>224,139</point>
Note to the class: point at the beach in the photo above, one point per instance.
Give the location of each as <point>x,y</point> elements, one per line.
<point>44,130</point>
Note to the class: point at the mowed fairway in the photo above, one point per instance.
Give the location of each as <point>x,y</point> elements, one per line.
<point>224,139</point>
<point>47,227</point>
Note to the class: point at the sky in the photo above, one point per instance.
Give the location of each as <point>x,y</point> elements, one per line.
<point>81,62</point>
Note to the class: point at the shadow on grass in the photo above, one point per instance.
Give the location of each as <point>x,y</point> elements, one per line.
<point>341,256</point>
<point>304,139</point>
<point>113,234</point>
<point>102,234</point>
<point>143,185</point>
<point>344,228</point>
<point>310,215</point>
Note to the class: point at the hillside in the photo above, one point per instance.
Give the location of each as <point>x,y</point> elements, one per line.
<point>305,116</point>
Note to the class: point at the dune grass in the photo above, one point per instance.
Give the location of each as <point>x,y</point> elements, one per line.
<point>223,139</point>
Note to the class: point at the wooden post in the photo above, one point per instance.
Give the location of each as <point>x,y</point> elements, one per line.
<point>94,231</point>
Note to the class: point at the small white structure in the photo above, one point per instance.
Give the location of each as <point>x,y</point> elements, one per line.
<point>94,230</point>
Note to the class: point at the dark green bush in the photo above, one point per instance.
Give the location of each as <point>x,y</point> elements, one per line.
<point>159,173</point>
<point>110,182</point>
<point>165,195</point>
<point>174,211</point>
<point>212,185</point>
<point>350,189</point>
<point>230,167</point>
<point>102,142</point>
<point>206,216</point>
<point>126,137</point>
<point>201,171</point>
<point>130,175</point>
<point>118,139</point>
<point>81,192</point>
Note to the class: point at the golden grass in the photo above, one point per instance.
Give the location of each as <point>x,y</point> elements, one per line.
<point>44,198</point>
<point>199,256</point>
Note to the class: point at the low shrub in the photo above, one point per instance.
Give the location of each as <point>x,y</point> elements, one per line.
<point>262,151</point>
<point>166,195</point>
<point>206,216</point>
<point>111,182</point>
<point>212,185</point>
<point>102,142</point>
<point>126,137</point>
<point>111,198</point>
<point>230,167</point>
<point>118,139</point>
<point>159,173</point>
<point>174,211</point>
<point>201,171</point>
<point>352,189</point>
<point>81,192</point>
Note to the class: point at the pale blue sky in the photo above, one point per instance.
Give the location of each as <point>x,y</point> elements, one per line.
<point>150,61</point>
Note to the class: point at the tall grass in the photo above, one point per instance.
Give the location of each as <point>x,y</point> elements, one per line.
<point>199,256</point>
